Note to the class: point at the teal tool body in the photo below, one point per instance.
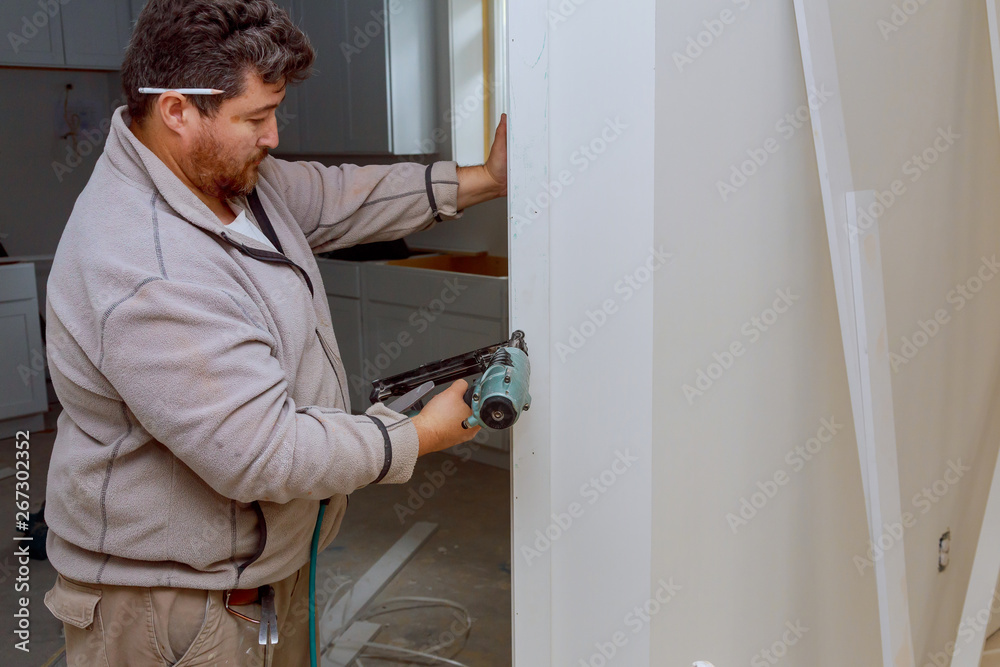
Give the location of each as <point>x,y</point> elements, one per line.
<point>497,398</point>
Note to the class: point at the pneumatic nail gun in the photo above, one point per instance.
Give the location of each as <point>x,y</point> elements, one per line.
<point>497,398</point>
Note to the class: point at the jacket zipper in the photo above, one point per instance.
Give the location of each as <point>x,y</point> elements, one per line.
<point>268,256</point>
<point>278,258</point>
<point>261,542</point>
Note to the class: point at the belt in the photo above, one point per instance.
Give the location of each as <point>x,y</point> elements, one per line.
<point>242,596</point>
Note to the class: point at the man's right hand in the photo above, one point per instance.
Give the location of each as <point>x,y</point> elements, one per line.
<point>439,424</point>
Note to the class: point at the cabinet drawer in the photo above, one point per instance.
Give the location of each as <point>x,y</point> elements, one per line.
<point>17,282</point>
<point>437,291</point>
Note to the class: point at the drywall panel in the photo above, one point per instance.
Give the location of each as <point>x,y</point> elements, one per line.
<point>920,111</point>
<point>582,258</point>
<point>758,510</point>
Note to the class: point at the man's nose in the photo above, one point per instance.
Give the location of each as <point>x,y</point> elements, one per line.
<point>269,139</point>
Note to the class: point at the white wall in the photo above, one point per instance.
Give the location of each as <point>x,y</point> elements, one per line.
<point>902,83</point>
<point>798,559</point>
<point>791,562</point>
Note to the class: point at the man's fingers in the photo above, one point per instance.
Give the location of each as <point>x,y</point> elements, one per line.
<point>501,127</point>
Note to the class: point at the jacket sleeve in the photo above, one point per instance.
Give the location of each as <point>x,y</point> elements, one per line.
<point>338,207</point>
<point>195,368</point>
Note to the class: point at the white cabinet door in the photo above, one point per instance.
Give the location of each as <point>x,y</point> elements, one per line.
<point>22,364</point>
<point>96,32</point>
<point>33,35</point>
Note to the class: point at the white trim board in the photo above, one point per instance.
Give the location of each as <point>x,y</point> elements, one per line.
<point>982,582</point>
<point>877,449</point>
<point>528,259</point>
<point>834,164</point>
<point>984,577</point>
<point>860,301</point>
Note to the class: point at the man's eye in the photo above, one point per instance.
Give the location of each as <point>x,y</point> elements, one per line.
<point>258,120</point>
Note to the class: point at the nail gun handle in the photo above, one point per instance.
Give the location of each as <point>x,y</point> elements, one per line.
<point>468,400</point>
<point>469,392</point>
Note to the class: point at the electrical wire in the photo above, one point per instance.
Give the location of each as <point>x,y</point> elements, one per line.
<point>390,607</point>
<point>416,654</point>
<point>425,603</point>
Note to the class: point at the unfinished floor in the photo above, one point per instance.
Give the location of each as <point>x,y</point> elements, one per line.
<point>467,560</point>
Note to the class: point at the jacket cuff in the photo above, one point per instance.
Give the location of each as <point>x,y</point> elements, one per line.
<point>441,181</point>
<point>401,444</point>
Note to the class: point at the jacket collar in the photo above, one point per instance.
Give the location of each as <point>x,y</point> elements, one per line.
<point>133,160</point>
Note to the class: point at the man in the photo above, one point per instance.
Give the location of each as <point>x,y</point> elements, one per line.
<point>205,406</point>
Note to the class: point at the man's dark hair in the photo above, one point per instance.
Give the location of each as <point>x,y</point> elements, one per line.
<point>211,44</point>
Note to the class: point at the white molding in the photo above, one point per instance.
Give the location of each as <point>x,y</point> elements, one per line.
<point>982,582</point>
<point>348,608</point>
<point>531,460</point>
<point>834,164</point>
<point>985,573</point>
<point>877,448</point>
<point>860,303</point>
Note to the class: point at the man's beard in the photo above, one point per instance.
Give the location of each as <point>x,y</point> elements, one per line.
<point>218,175</point>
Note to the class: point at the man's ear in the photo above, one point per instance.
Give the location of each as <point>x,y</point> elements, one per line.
<point>175,111</point>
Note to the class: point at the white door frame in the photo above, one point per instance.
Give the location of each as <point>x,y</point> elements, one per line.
<point>528,252</point>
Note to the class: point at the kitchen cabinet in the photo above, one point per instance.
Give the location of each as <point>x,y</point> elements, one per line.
<point>86,34</point>
<point>372,90</point>
<point>33,36</point>
<point>23,396</point>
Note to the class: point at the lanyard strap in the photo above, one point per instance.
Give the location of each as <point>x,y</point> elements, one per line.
<point>265,223</point>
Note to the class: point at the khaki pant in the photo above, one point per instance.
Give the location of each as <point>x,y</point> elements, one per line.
<point>108,626</point>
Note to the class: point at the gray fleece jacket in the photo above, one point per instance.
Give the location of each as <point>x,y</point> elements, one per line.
<point>205,405</point>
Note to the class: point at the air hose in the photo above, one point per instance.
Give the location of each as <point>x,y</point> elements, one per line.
<point>313,554</point>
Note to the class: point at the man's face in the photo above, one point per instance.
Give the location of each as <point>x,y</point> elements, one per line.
<point>227,149</point>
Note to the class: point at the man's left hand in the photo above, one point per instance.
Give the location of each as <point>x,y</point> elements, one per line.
<point>496,163</point>
<point>486,181</point>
